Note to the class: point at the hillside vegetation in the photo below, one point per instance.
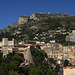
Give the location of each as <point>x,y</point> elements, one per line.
<point>40,23</point>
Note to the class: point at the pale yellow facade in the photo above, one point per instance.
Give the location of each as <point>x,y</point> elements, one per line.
<point>69,71</point>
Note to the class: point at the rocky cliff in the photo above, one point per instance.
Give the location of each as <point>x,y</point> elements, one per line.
<point>37,23</point>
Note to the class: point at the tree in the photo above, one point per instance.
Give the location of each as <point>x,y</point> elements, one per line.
<point>48,73</point>
<point>10,65</point>
<point>66,63</point>
<point>52,61</point>
<point>13,73</point>
<point>34,70</point>
<point>3,68</point>
<point>57,68</point>
<point>25,69</point>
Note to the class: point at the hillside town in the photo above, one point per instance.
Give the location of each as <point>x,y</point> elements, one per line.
<point>54,50</point>
<point>37,37</point>
<point>39,44</point>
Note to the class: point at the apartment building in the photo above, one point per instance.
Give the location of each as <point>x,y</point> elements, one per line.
<point>71,36</point>
<point>69,70</point>
<point>6,46</point>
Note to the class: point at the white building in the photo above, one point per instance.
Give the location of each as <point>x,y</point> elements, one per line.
<point>6,46</point>
<point>71,36</point>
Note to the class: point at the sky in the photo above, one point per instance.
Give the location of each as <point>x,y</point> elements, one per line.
<point>11,10</point>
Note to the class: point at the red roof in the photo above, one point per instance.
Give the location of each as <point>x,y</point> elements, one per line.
<point>61,52</point>
<point>57,59</point>
<point>71,67</point>
<point>33,45</point>
<point>65,53</point>
<point>14,47</point>
<point>73,60</point>
<point>22,45</point>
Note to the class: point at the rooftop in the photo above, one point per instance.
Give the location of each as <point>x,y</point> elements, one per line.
<point>68,67</point>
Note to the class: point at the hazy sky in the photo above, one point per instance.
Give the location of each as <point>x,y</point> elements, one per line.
<point>10,10</point>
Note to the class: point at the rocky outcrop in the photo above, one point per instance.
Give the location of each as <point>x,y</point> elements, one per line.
<point>23,19</point>
<point>38,16</point>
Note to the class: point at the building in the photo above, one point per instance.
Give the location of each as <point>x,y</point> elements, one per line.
<point>72,39</point>
<point>67,38</point>
<point>6,46</point>
<point>71,36</point>
<point>25,50</point>
<point>69,70</point>
<point>58,61</point>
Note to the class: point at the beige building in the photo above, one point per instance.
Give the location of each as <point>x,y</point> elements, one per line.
<point>69,70</point>
<point>25,50</point>
<point>6,46</point>
<point>60,55</point>
<point>71,36</point>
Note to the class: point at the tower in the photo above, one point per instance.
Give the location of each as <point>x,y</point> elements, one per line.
<point>28,55</point>
<point>5,46</point>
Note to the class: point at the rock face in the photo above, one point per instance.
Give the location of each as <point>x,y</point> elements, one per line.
<point>8,28</point>
<point>38,16</point>
<point>27,26</point>
<point>23,19</point>
<point>34,17</point>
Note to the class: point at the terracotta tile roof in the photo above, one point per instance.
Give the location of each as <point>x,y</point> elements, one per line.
<point>57,59</point>
<point>22,45</point>
<point>70,58</point>
<point>71,67</point>
<point>48,51</point>
<point>9,47</point>
<point>73,60</point>
<point>61,52</point>
<point>66,53</point>
<point>71,51</point>
<point>33,45</point>
<point>15,47</point>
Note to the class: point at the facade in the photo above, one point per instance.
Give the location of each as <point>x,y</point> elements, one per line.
<point>25,50</point>
<point>58,61</point>
<point>71,36</point>
<point>58,51</point>
<point>6,46</point>
<point>53,54</point>
<point>67,38</point>
<point>72,39</point>
<point>69,70</point>
<point>60,55</point>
